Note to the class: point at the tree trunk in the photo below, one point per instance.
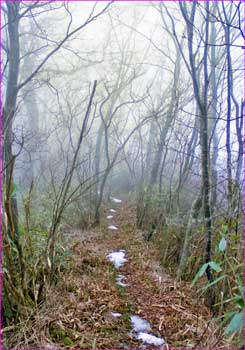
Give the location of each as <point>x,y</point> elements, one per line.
<point>228,123</point>
<point>213,131</point>
<point>144,214</point>
<point>10,100</point>
<point>202,103</point>
<point>239,131</point>
<point>97,162</point>
<point>195,209</point>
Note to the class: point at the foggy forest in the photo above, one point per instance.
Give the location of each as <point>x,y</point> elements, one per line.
<point>122,174</point>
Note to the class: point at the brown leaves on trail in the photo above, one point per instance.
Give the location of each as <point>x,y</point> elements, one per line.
<point>174,310</point>
<point>85,300</point>
<point>78,311</point>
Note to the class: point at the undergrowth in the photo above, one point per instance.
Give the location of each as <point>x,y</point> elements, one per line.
<point>77,309</point>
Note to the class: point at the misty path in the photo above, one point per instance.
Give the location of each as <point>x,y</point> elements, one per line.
<point>122,163</point>
<point>121,295</point>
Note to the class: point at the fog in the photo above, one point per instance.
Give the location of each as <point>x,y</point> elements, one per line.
<point>130,49</point>
<point>141,100</point>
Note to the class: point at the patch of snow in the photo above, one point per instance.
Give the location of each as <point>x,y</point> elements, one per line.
<point>109,216</point>
<point>139,324</point>
<point>116,200</point>
<point>51,347</point>
<point>112,227</point>
<point>116,314</point>
<point>112,210</point>
<point>150,339</point>
<point>120,282</point>
<point>117,258</point>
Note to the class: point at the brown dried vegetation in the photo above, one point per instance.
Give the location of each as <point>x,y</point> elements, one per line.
<point>77,313</point>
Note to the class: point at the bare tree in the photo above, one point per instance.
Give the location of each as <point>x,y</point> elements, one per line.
<point>14,15</point>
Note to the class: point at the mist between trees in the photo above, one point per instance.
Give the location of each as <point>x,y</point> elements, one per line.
<point>141,99</point>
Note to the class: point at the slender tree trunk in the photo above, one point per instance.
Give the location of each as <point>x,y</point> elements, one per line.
<point>213,131</point>
<point>150,147</point>
<point>206,161</point>
<point>202,102</point>
<point>195,209</point>
<point>188,163</point>
<point>228,123</point>
<point>97,160</point>
<point>162,170</point>
<point>11,99</point>
<point>61,201</point>
<point>239,131</point>
<point>143,217</point>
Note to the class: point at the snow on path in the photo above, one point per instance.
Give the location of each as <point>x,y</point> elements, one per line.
<point>119,280</point>
<point>112,227</point>
<point>117,258</point>
<point>142,329</point>
<point>139,324</point>
<point>116,200</point>
<point>116,314</point>
<point>150,339</point>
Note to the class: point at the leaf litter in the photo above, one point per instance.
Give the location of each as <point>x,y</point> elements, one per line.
<point>76,312</point>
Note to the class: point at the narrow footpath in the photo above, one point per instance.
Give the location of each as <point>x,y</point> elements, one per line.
<point>118,295</point>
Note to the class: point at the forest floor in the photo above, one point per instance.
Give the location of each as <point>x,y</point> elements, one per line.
<point>78,311</point>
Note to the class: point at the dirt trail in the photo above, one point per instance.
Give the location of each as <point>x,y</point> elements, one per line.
<point>78,313</point>
<point>173,311</point>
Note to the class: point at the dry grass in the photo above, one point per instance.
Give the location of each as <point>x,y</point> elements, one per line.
<point>76,313</point>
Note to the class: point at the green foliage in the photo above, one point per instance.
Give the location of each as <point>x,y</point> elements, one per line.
<point>234,317</point>
<point>78,214</point>
<point>215,266</point>
<point>61,336</point>
<point>63,255</point>
<point>222,244</point>
<point>15,189</point>
<point>236,323</point>
<point>24,265</point>
<point>212,264</point>
<point>200,273</point>
<point>215,281</point>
